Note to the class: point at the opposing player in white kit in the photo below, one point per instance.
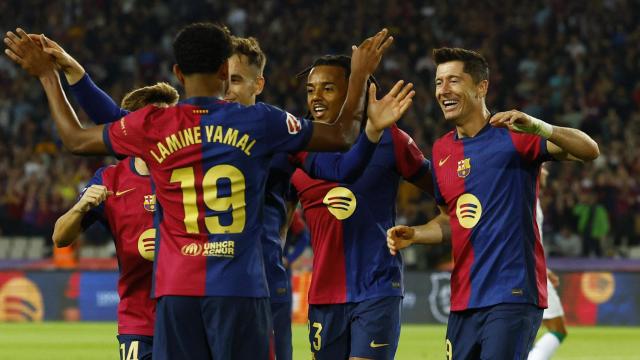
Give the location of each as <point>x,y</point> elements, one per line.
<point>553,316</point>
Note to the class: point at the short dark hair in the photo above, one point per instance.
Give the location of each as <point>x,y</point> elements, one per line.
<point>250,48</point>
<point>342,61</point>
<point>154,94</point>
<point>202,48</point>
<point>474,63</point>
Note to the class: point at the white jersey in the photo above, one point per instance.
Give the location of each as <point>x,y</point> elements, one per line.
<point>555,306</point>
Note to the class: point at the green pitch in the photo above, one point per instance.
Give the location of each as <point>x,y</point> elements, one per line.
<point>69,341</point>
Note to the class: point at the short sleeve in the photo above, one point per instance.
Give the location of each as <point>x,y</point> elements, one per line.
<point>96,213</point>
<point>127,136</point>
<point>410,162</point>
<point>532,148</point>
<point>284,132</point>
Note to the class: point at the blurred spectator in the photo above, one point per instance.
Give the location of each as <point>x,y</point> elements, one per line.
<point>593,223</point>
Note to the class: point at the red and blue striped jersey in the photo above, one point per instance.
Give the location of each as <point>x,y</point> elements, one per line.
<point>348,224</point>
<point>128,214</point>
<point>208,160</point>
<point>489,185</point>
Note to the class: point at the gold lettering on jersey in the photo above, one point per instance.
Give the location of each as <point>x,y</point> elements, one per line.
<point>192,136</point>
<point>219,248</point>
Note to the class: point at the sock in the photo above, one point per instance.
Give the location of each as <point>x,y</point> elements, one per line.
<point>546,346</point>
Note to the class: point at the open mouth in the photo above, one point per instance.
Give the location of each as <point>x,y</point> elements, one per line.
<point>449,104</point>
<point>319,110</point>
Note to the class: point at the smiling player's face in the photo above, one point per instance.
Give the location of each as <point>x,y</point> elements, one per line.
<point>326,92</point>
<point>456,92</point>
<point>244,81</point>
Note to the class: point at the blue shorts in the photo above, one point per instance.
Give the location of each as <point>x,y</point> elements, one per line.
<point>281,317</point>
<point>220,327</point>
<point>134,347</point>
<point>368,329</point>
<point>503,331</point>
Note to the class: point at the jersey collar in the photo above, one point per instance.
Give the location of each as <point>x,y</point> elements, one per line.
<point>203,100</point>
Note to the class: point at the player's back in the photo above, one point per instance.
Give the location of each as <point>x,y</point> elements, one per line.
<point>208,160</point>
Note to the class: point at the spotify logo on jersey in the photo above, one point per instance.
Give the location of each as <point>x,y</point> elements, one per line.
<point>340,202</point>
<point>468,210</point>
<point>147,244</point>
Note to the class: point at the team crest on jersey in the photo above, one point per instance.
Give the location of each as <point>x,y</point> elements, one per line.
<point>293,124</point>
<point>340,202</point>
<point>439,297</point>
<point>464,167</point>
<point>150,203</point>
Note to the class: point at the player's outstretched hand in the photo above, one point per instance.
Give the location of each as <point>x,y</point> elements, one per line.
<point>72,69</point>
<point>388,110</point>
<point>93,196</point>
<point>399,237</point>
<point>366,57</point>
<point>520,122</point>
<point>28,54</point>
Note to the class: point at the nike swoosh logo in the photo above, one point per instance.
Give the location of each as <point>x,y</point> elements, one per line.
<point>374,345</point>
<point>118,193</point>
<point>442,161</point>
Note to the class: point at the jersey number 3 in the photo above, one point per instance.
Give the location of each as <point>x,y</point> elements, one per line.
<point>212,199</point>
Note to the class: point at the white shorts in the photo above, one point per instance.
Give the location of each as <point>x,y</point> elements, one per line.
<point>555,306</point>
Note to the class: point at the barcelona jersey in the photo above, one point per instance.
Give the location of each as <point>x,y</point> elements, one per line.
<point>348,224</point>
<point>128,214</point>
<point>208,160</point>
<point>489,186</point>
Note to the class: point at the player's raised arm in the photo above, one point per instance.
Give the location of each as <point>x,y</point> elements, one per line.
<point>99,106</point>
<point>30,56</point>
<point>347,167</point>
<point>562,143</point>
<point>341,134</point>
<point>435,231</point>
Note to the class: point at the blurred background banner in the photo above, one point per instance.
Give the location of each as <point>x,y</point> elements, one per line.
<point>589,298</point>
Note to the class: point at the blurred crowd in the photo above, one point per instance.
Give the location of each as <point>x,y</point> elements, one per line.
<point>571,63</point>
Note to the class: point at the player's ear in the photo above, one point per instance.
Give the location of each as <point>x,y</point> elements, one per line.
<point>259,85</point>
<point>223,71</point>
<point>482,88</point>
<point>178,73</point>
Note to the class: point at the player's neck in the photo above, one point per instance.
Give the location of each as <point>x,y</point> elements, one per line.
<point>471,125</point>
<point>141,166</point>
<point>203,85</point>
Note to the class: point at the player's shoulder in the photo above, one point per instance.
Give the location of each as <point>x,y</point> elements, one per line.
<point>444,140</point>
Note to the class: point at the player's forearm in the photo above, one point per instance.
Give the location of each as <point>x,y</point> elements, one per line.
<point>73,73</point>
<point>372,134</point>
<point>95,102</point>
<point>343,167</point>
<point>435,231</point>
<point>575,142</point>
<point>73,136</point>
<point>68,227</point>
<point>351,114</point>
